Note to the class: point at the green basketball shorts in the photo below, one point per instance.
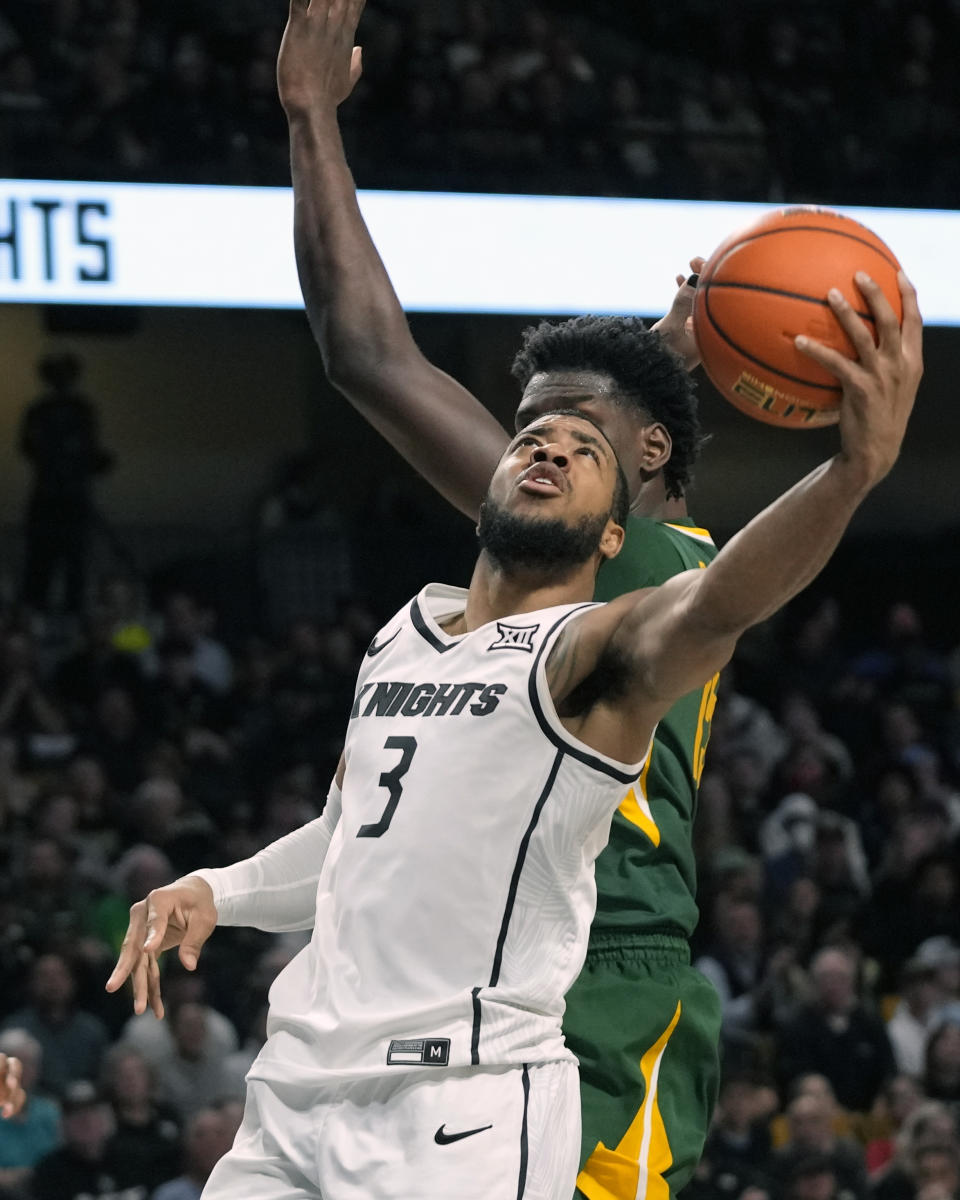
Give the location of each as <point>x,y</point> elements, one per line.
<point>646,1027</point>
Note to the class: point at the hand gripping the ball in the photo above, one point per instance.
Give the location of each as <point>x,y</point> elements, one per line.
<point>880,385</point>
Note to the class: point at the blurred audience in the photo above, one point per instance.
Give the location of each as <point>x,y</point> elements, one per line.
<point>60,438</point>
<point>207,1136</point>
<point>737,1151</point>
<point>908,1028</point>
<point>146,1130</point>
<point>836,1036</point>
<point>81,1168</point>
<point>810,1121</point>
<point>492,96</point>
<point>35,1131</point>
<point>900,1098</point>
<point>192,1075</point>
<point>924,1162</point>
<point>73,1040</point>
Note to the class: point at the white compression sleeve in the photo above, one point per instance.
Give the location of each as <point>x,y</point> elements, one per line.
<point>276,889</point>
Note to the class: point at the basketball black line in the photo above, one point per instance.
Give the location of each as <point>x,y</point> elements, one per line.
<point>752,237</point>
<point>770,291</point>
<point>824,387</point>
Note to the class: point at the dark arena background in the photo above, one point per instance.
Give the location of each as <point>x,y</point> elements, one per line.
<point>177,696</point>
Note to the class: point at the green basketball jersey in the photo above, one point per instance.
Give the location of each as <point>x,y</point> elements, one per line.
<point>646,876</point>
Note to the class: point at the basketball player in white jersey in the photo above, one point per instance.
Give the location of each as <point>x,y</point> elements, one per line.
<point>414,1047</point>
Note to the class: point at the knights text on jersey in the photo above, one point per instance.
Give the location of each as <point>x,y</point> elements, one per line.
<point>455,900</point>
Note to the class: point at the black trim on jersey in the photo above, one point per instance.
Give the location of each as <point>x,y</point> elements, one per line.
<point>524,1148</point>
<point>518,868</point>
<point>560,742</point>
<point>475,1035</point>
<point>421,626</point>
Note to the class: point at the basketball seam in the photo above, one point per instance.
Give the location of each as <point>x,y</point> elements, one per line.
<point>757,287</point>
<point>752,237</point>
<point>824,387</point>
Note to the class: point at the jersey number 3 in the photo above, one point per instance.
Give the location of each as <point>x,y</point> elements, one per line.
<point>392,781</point>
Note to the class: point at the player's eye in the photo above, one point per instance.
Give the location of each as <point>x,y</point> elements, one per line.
<point>528,439</point>
<point>592,453</point>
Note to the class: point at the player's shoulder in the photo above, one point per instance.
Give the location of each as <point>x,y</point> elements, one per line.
<point>681,537</point>
<point>692,540</point>
<point>653,552</point>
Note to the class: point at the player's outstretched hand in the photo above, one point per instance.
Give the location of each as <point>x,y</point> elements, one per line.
<point>182,914</point>
<point>318,65</point>
<point>880,385</point>
<point>676,328</point>
<point>12,1095</point>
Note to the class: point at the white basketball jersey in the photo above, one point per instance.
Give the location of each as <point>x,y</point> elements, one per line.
<point>455,900</point>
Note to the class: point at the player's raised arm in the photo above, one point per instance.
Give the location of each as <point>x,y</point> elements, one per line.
<point>438,426</point>
<point>368,350</point>
<point>673,638</point>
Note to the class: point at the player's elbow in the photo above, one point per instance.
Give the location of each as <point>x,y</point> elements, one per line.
<point>371,372</point>
<point>351,365</point>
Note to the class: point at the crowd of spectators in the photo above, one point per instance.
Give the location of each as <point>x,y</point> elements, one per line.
<point>830,893</point>
<point>132,751</point>
<point>153,742</point>
<point>827,102</point>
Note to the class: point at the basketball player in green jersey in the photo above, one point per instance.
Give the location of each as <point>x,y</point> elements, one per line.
<point>644,1025</point>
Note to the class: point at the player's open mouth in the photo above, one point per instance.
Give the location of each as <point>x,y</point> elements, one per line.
<point>543,479</point>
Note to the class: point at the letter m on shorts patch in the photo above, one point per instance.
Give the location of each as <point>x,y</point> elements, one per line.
<point>427,1052</point>
<point>514,637</point>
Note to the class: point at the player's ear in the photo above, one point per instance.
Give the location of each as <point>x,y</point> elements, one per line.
<point>656,446</point>
<point>611,542</point>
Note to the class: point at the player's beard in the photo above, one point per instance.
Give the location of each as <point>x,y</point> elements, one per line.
<point>543,546</point>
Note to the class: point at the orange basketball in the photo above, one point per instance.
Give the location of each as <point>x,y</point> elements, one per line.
<point>768,283</point>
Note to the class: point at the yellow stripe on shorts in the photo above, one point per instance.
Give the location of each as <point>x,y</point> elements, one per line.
<point>636,1169</point>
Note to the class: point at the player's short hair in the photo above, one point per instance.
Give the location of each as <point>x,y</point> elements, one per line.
<point>620,509</point>
<point>648,375</point>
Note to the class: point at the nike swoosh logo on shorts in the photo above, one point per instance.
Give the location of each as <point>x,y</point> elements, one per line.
<point>373,649</point>
<point>444,1139</point>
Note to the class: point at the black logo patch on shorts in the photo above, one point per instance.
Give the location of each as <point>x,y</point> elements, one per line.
<point>427,1052</point>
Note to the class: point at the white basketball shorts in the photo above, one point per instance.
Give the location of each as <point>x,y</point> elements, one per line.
<point>507,1134</point>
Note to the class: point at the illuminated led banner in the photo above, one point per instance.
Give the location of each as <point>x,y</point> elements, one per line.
<point>232,247</point>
